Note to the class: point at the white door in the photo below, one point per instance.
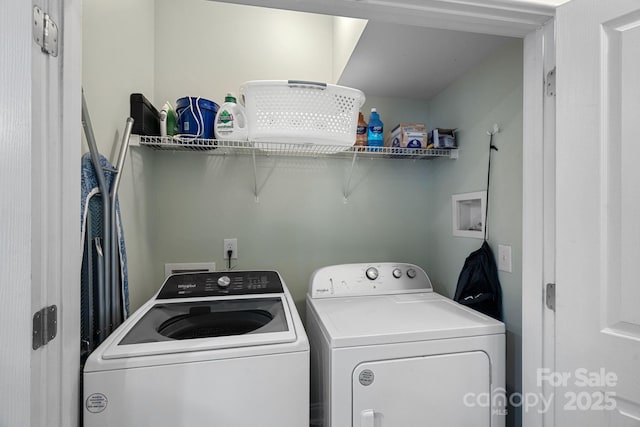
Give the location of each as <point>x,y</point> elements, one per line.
<point>39,215</point>
<point>598,214</point>
<point>15,212</point>
<point>441,390</point>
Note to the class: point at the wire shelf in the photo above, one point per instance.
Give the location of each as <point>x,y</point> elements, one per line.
<point>219,147</point>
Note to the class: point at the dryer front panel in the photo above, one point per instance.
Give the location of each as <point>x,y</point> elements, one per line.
<point>439,390</point>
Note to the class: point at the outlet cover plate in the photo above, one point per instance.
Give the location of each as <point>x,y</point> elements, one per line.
<point>230,244</point>
<point>504,258</point>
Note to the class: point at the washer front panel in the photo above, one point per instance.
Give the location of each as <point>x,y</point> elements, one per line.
<point>224,283</point>
<point>380,278</point>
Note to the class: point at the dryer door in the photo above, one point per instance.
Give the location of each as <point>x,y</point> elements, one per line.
<point>442,390</point>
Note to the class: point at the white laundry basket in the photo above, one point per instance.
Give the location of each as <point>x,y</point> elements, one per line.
<point>300,112</point>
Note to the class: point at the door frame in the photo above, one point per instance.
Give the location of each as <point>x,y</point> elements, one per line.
<point>500,17</point>
<point>55,229</point>
<point>538,211</point>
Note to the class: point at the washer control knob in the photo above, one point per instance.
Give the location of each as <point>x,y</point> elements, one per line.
<point>411,273</point>
<point>372,273</point>
<point>397,273</point>
<point>224,281</point>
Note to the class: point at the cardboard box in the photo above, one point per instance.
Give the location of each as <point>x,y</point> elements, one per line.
<point>407,135</point>
<point>443,138</point>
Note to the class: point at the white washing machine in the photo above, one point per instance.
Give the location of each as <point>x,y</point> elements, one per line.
<point>388,351</point>
<point>210,349</point>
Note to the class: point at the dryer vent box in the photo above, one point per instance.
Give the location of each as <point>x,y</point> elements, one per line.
<point>468,214</point>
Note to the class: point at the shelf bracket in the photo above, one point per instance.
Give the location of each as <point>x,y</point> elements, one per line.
<point>255,177</point>
<point>347,192</point>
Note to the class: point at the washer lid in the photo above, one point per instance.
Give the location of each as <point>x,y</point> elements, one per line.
<point>184,325</point>
<point>388,319</point>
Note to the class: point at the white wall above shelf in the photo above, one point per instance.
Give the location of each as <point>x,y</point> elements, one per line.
<point>218,147</point>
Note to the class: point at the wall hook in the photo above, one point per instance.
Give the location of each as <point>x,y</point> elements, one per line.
<point>492,132</point>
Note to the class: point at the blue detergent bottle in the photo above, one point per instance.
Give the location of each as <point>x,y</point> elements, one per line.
<point>375,133</point>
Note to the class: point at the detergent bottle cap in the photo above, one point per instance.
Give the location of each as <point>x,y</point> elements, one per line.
<point>230,98</point>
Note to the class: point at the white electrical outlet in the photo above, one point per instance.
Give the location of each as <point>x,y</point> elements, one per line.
<point>231,245</point>
<point>504,258</point>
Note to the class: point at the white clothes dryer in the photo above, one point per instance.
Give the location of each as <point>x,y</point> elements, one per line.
<point>388,351</point>
<point>210,349</point>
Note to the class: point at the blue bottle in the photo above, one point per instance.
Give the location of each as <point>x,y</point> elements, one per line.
<point>375,133</point>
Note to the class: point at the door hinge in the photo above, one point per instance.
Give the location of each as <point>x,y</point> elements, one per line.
<point>550,82</point>
<point>45,326</point>
<point>550,296</point>
<point>45,32</point>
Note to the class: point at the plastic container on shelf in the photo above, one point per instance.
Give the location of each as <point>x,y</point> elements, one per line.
<point>361,132</point>
<point>375,134</point>
<point>300,112</point>
<point>231,121</point>
<point>196,117</point>
<point>146,117</point>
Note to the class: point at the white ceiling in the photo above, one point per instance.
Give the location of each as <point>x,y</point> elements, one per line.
<point>553,3</point>
<point>515,18</point>
<point>403,61</point>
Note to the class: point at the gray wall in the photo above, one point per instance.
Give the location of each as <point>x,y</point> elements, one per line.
<point>489,93</point>
<point>117,60</point>
<point>301,221</point>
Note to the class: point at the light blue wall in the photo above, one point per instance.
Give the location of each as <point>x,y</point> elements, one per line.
<point>301,222</point>
<point>489,93</point>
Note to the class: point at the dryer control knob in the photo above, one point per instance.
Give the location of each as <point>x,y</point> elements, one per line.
<point>411,273</point>
<point>372,273</point>
<point>224,281</point>
<point>397,273</point>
